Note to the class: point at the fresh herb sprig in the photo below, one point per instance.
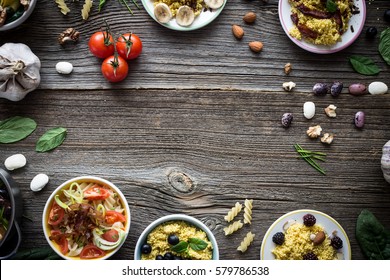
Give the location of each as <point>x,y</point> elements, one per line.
<point>310,157</point>
<point>3,221</point>
<point>195,244</point>
<point>331,6</point>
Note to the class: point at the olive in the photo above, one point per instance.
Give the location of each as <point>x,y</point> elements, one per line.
<point>371,32</point>
<point>320,89</point>
<point>173,239</point>
<point>387,15</point>
<point>336,89</point>
<point>146,249</point>
<point>168,256</point>
<point>159,257</point>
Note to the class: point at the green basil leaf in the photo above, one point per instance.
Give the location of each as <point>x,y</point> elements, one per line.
<point>51,139</point>
<point>384,45</point>
<point>180,247</point>
<point>197,244</point>
<point>331,6</point>
<point>373,238</point>
<point>16,128</point>
<point>364,65</point>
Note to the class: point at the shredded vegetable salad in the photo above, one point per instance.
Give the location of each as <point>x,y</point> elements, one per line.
<point>87,220</point>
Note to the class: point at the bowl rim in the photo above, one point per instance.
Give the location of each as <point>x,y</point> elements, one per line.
<point>176,217</point>
<point>86,178</point>
<point>21,19</point>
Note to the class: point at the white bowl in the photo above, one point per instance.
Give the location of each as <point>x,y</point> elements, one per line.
<point>176,217</point>
<point>328,223</point>
<point>81,179</point>
<point>21,19</point>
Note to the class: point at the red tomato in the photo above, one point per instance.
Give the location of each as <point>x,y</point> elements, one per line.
<point>101,44</point>
<point>91,252</point>
<point>129,46</point>
<point>111,235</point>
<point>113,216</point>
<point>56,215</point>
<point>96,193</point>
<point>62,242</point>
<point>115,68</point>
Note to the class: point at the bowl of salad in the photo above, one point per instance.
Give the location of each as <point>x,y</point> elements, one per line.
<point>86,218</point>
<point>14,12</point>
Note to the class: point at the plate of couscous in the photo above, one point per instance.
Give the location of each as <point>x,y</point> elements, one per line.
<point>322,27</point>
<point>184,15</point>
<point>305,235</point>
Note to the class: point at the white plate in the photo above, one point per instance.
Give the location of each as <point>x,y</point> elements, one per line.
<point>357,21</point>
<point>327,222</point>
<point>200,21</point>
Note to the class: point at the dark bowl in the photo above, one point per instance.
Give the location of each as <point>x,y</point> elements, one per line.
<point>13,236</point>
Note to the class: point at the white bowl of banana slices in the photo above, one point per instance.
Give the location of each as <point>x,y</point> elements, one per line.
<point>187,16</point>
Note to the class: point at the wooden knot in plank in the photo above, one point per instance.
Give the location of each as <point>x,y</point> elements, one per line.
<point>180,181</point>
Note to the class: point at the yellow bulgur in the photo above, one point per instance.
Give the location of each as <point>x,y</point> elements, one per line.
<point>174,5</point>
<point>298,243</point>
<point>157,239</point>
<point>327,29</point>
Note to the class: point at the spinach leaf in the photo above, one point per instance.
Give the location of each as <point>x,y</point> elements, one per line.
<point>384,45</point>
<point>364,65</point>
<point>197,244</point>
<point>16,128</point>
<point>180,247</point>
<point>373,238</point>
<point>331,6</point>
<point>51,139</point>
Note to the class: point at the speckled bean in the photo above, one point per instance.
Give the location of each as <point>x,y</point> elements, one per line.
<point>359,119</point>
<point>287,119</point>
<point>357,89</point>
<point>336,89</point>
<point>320,89</point>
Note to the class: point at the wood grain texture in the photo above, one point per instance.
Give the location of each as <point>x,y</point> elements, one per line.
<point>198,152</point>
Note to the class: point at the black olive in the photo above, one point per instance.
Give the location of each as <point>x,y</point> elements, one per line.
<point>173,239</point>
<point>146,249</point>
<point>371,32</point>
<point>168,256</point>
<point>159,257</point>
<point>387,15</point>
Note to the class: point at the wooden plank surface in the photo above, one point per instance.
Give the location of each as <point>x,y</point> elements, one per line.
<point>200,107</point>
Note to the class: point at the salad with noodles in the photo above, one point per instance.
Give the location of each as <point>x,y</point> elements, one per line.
<point>87,220</point>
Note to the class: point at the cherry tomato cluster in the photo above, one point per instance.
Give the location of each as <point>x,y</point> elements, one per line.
<point>115,53</point>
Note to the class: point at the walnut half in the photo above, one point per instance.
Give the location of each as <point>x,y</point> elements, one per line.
<point>69,34</point>
<point>327,138</point>
<point>314,131</point>
<point>330,111</point>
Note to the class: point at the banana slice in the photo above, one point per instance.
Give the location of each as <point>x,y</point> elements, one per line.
<point>162,13</point>
<point>185,16</point>
<point>214,4</point>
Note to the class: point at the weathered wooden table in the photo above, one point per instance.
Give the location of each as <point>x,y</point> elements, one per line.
<point>196,125</point>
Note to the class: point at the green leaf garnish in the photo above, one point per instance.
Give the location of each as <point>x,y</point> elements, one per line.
<point>51,139</point>
<point>16,128</point>
<point>364,65</point>
<point>331,6</point>
<point>384,45</point>
<point>197,244</point>
<point>180,247</point>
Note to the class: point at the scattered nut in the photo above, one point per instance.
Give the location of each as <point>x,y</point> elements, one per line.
<point>330,111</point>
<point>314,131</point>
<point>238,32</point>
<point>327,138</point>
<point>320,237</point>
<point>15,161</point>
<point>69,34</point>
<point>288,86</point>
<point>287,68</point>
<point>249,17</point>
<point>256,46</point>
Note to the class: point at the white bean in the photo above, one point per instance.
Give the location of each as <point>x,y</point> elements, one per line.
<point>15,161</point>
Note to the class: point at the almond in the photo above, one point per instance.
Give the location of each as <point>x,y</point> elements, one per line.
<point>256,46</point>
<point>320,237</point>
<point>238,32</point>
<point>250,17</point>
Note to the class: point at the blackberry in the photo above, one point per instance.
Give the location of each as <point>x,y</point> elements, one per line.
<point>310,256</point>
<point>309,220</point>
<point>278,238</point>
<point>336,242</point>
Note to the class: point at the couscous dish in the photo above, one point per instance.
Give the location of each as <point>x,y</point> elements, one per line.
<point>319,23</point>
<point>177,240</point>
<point>174,5</point>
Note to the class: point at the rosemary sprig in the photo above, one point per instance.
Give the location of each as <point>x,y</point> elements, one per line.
<point>310,157</point>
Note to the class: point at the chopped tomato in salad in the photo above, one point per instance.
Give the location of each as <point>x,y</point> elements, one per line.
<point>91,252</point>
<point>114,216</point>
<point>112,235</point>
<point>56,215</point>
<point>96,193</point>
